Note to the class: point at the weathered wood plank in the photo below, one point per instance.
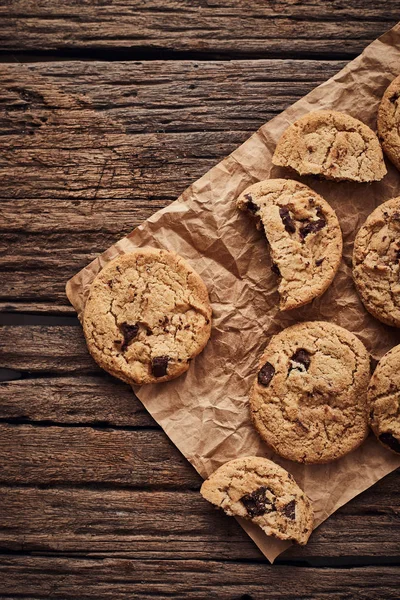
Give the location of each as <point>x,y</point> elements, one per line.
<point>230,28</point>
<point>89,151</point>
<point>136,523</point>
<point>83,128</point>
<point>36,308</point>
<point>48,577</point>
<point>83,455</point>
<point>36,349</point>
<point>81,399</point>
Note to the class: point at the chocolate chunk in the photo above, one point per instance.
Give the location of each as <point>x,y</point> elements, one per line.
<point>311,227</point>
<point>389,440</point>
<point>396,216</point>
<point>394,97</point>
<point>129,332</point>
<point>257,503</point>
<point>319,261</point>
<point>287,219</point>
<point>250,204</point>
<point>301,356</point>
<point>110,283</point>
<point>290,510</point>
<point>275,269</point>
<point>372,364</point>
<point>159,366</point>
<point>265,374</point>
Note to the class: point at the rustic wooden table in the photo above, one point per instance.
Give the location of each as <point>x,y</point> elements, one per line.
<point>109,110</point>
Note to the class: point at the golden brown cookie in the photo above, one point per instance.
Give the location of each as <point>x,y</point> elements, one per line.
<point>308,401</point>
<point>333,145</point>
<point>384,400</point>
<point>147,315</point>
<point>376,262</point>
<point>261,491</point>
<point>388,122</point>
<point>304,236</point>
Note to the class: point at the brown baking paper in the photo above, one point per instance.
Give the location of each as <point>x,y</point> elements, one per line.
<point>205,412</point>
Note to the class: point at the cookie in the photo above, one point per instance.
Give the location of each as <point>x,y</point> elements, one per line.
<point>376,262</point>
<point>304,237</point>
<point>147,315</point>
<point>261,491</point>
<point>388,122</point>
<point>333,145</point>
<point>309,398</point>
<point>384,400</point>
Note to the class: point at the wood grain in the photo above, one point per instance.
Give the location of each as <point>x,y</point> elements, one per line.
<point>149,524</point>
<point>88,152</point>
<point>101,400</point>
<point>234,28</point>
<point>40,349</point>
<point>49,577</point>
<point>84,455</point>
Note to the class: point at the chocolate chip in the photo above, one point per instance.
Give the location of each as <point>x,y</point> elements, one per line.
<point>257,503</point>
<point>129,332</point>
<point>159,366</point>
<point>311,227</point>
<point>275,269</point>
<point>287,219</point>
<point>389,440</point>
<point>265,374</point>
<point>394,97</point>
<point>250,204</point>
<point>110,283</point>
<point>290,510</point>
<point>319,261</point>
<point>301,356</point>
<point>396,216</point>
<point>372,364</point>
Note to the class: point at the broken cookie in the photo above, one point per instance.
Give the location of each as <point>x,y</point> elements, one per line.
<point>388,122</point>
<point>384,400</point>
<point>333,145</point>
<point>147,315</point>
<point>261,491</point>
<point>376,262</point>
<point>304,236</point>
<point>314,408</point>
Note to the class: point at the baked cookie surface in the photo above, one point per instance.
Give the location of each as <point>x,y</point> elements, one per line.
<point>376,262</point>
<point>384,400</point>
<point>333,145</point>
<point>147,315</point>
<point>309,399</point>
<point>388,122</point>
<point>261,491</point>
<point>304,237</point>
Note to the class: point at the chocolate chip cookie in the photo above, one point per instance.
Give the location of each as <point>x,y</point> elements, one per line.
<point>309,399</point>
<point>384,400</point>
<point>259,490</point>
<point>147,315</point>
<point>389,122</point>
<point>333,145</point>
<point>376,262</point>
<point>304,237</point>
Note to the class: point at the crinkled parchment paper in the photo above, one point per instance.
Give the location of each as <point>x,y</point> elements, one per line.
<point>205,412</point>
